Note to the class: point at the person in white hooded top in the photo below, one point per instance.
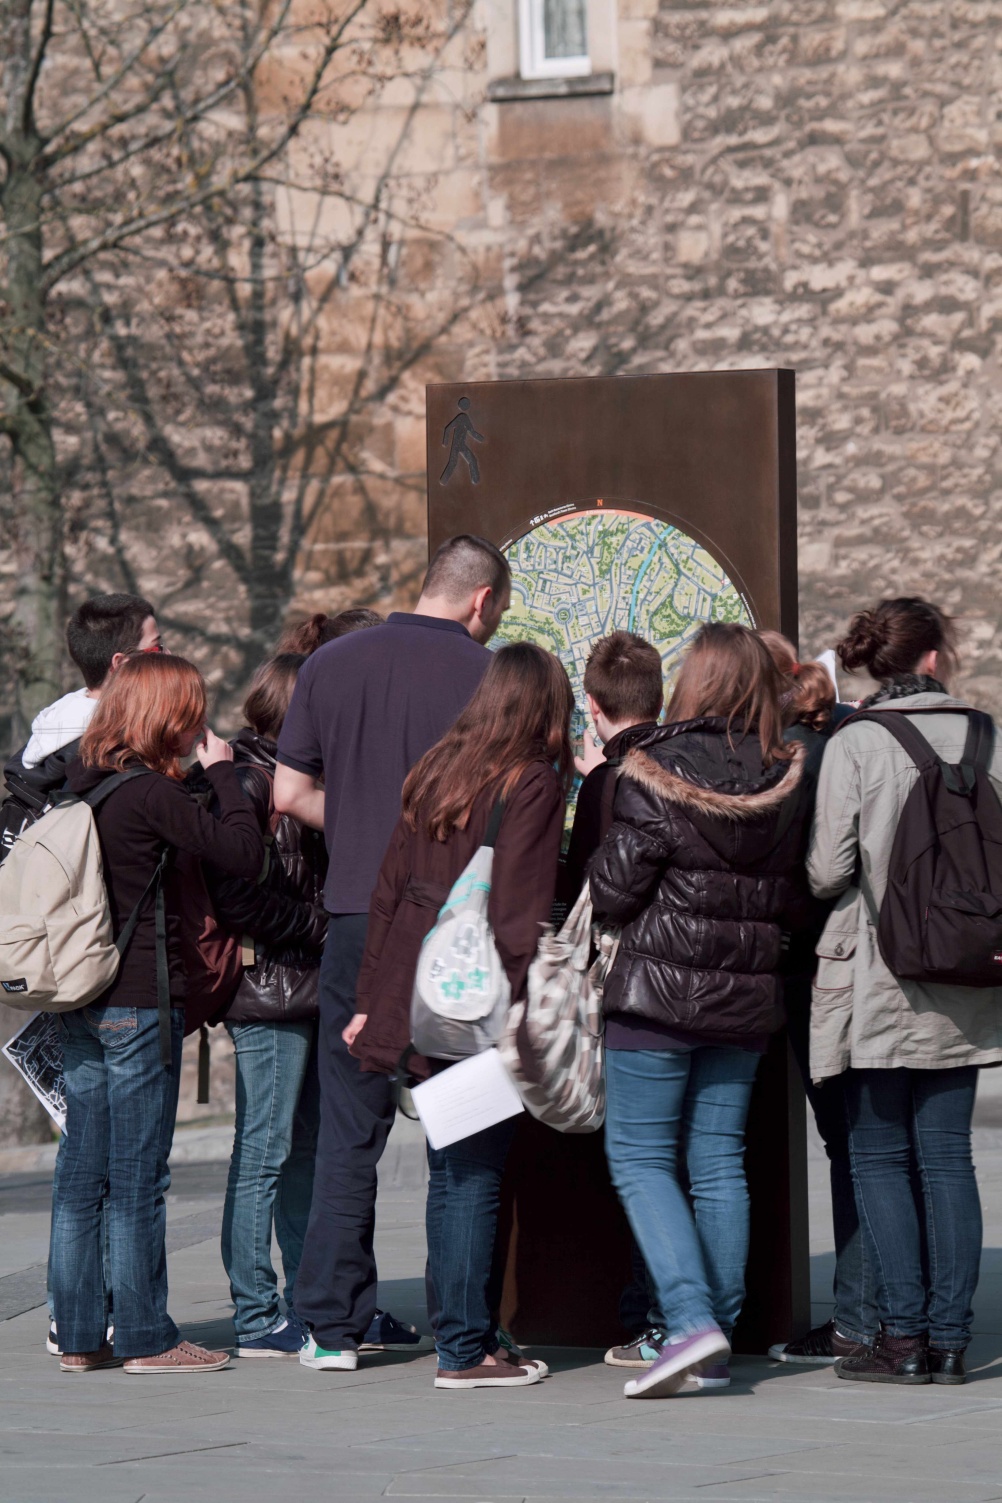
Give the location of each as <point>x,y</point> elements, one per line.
<point>99,636</point>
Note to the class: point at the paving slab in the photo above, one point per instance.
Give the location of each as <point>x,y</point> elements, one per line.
<point>272,1430</point>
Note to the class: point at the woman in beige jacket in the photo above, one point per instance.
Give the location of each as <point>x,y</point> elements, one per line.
<point>910,1051</point>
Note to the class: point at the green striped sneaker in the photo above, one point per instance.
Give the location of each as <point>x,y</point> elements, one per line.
<point>345,1360</point>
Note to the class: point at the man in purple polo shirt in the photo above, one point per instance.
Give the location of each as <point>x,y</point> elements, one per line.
<point>366,707</point>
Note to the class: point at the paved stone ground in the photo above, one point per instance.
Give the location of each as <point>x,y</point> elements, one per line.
<point>275,1431</point>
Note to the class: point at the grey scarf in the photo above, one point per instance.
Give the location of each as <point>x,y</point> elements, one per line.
<point>902,686</point>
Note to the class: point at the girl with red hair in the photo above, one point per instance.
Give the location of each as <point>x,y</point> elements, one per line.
<point>121,1098</point>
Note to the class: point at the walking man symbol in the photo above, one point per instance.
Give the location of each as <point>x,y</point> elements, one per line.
<point>462,431</point>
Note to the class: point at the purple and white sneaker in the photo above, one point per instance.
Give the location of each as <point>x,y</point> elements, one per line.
<point>667,1375</point>
<point>711,1375</point>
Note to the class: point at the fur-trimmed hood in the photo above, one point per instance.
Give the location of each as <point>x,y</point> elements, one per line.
<point>718,781</point>
<point>714,802</point>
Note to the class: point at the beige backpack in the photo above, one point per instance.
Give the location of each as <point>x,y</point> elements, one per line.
<point>57,950</point>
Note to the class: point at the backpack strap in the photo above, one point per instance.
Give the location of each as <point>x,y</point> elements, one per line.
<point>95,798</point>
<point>494,823</point>
<point>980,740</point>
<point>907,735</point>
<point>975,757</point>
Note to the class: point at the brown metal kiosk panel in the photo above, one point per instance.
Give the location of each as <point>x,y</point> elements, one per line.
<point>713,454</point>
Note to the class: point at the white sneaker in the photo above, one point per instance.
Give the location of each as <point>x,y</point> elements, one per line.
<point>345,1360</point>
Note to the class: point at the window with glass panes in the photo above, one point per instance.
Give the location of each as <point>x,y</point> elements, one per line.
<point>553,38</point>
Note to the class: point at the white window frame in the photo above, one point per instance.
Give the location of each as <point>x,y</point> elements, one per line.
<point>531,40</point>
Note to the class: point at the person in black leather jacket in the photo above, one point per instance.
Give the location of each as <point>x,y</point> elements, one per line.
<point>272,1022</point>
<point>708,828</point>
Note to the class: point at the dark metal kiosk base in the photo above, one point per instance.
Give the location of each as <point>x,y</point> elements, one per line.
<point>712,454</point>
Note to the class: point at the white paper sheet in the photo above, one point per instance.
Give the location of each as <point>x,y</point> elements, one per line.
<point>466,1098</point>
<point>827,661</point>
<point>36,1052</point>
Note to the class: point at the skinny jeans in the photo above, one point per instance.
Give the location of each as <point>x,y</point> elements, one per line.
<point>671,1112</point>
<point>910,1149</point>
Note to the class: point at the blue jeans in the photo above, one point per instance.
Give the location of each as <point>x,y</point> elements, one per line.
<point>855,1283</point>
<point>270,1183</point>
<point>120,1110</point>
<point>910,1147</point>
<point>109,1302</point>
<point>669,1105</point>
<point>464,1193</point>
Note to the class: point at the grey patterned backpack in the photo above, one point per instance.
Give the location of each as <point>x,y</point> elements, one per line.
<point>552,1042</point>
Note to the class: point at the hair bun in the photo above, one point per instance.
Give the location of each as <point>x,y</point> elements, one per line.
<point>892,639</point>
<point>861,643</point>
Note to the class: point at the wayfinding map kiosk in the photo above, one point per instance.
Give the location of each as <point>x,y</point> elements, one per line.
<point>647,504</point>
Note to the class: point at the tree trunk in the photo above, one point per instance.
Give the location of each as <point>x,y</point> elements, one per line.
<point>27,419</point>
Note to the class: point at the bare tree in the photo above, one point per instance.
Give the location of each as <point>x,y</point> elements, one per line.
<point>169,264</point>
<point>120,121</point>
<point>206,395</point>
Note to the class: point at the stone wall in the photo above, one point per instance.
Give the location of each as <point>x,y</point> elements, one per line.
<point>810,183</point>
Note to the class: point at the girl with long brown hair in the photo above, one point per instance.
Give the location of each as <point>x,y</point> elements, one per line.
<point>707,828</point>
<point>511,743</point>
<point>122,1052</point>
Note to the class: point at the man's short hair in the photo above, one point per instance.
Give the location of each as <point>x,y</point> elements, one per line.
<point>100,628</point>
<point>625,678</point>
<point>463,565</point>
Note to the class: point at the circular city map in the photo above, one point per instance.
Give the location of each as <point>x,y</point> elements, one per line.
<point>579,576</point>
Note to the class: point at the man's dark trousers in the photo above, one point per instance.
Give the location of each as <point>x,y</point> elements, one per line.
<point>336,1285</point>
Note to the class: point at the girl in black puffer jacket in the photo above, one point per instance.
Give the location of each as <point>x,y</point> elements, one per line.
<point>272,1022</point>
<point>709,826</point>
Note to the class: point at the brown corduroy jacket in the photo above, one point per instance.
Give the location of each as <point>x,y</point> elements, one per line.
<point>414,882</point>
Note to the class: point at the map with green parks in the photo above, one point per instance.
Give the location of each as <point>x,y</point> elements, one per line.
<point>579,576</point>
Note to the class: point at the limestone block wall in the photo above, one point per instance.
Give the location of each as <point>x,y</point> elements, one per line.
<point>811,183</point>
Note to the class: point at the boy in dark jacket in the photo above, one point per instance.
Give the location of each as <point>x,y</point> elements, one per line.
<point>624,685</point>
<point>99,636</point>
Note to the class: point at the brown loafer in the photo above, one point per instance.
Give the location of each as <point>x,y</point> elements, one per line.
<point>494,1375</point>
<point>186,1357</point>
<point>89,1362</point>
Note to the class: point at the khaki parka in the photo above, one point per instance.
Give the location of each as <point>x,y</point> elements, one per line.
<point>862,1016</point>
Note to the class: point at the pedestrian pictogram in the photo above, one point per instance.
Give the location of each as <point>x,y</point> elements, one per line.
<point>462,430</point>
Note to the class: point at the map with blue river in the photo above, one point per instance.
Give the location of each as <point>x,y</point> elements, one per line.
<point>579,576</point>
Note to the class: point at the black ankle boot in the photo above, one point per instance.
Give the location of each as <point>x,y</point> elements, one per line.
<point>946,1365</point>
<point>894,1359</point>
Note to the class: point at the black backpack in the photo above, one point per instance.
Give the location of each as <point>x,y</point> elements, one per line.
<point>941,917</point>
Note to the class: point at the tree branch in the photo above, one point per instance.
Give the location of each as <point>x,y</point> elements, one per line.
<point>27,104</point>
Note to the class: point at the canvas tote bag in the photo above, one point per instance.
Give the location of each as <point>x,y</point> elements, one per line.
<point>552,1042</point>
<point>461,991</point>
